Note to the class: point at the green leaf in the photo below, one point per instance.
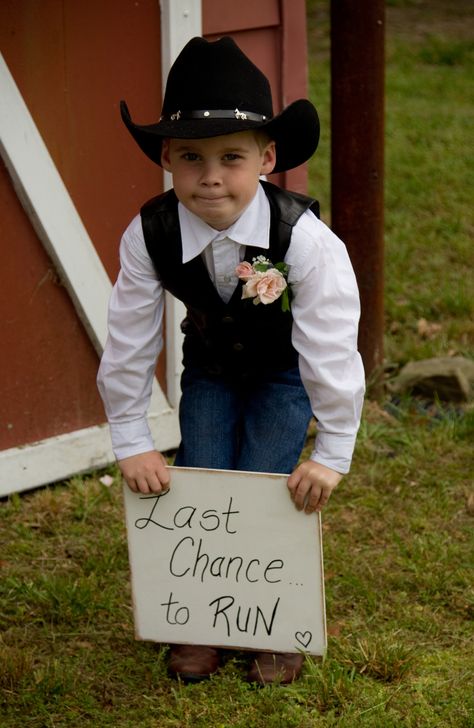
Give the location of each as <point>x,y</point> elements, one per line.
<point>282,267</point>
<point>261,267</point>
<point>285,301</point>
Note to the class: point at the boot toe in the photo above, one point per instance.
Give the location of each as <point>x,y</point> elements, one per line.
<point>279,667</point>
<point>192,663</point>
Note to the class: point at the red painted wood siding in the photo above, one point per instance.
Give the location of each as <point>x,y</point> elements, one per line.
<point>273,34</point>
<point>73,62</point>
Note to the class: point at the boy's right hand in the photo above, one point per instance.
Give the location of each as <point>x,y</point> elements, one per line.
<point>146,472</point>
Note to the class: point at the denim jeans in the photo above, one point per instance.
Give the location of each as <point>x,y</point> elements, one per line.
<point>258,425</point>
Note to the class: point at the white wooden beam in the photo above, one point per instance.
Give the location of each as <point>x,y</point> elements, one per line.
<point>52,213</point>
<point>51,210</point>
<point>181,20</point>
<point>58,458</point>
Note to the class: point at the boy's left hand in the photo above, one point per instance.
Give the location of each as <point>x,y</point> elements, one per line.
<point>311,485</point>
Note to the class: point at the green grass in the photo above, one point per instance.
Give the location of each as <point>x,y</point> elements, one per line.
<point>398,550</point>
<point>398,534</point>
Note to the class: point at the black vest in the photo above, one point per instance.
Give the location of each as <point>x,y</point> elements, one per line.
<point>238,338</point>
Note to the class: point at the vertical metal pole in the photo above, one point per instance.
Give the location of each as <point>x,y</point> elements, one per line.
<point>357,156</point>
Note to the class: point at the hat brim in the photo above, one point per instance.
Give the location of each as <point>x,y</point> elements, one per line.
<point>295,132</point>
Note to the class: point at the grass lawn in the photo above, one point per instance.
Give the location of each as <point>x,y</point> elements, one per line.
<point>398,535</point>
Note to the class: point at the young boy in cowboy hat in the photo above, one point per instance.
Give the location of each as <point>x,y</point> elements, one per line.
<point>271,299</point>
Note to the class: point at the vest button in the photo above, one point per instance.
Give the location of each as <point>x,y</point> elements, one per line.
<point>228,320</point>
<point>238,346</point>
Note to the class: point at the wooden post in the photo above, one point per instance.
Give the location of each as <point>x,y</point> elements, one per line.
<point>357,156</point>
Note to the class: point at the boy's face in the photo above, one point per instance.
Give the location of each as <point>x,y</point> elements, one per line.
<point>216,178</point>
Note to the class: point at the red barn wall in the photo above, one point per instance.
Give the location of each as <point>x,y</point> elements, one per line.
<point>73,62</point>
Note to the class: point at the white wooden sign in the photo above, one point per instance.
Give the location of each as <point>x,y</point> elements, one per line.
<point>225,559</point>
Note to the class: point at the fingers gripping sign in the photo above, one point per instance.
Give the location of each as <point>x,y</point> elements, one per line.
<point>311,485</point>
<point>146,472</point>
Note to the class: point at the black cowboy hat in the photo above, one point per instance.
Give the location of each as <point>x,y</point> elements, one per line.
<point>214,89</point>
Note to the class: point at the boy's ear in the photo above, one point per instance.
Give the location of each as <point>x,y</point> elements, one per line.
<point>268,159</point>
<point>165,155</point>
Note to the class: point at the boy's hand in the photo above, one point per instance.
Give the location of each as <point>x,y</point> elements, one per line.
<point>311,484</point>
<point>146,472</point>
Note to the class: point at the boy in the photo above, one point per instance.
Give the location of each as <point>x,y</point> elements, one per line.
<point>271,299</point>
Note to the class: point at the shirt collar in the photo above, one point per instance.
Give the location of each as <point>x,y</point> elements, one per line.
<point>251,228</point>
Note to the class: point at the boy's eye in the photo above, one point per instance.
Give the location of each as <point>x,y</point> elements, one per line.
<point>190,156</point>
<point>231,156</point>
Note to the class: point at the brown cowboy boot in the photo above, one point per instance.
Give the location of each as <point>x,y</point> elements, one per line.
<point>192,663</point>
<point>278,667</point>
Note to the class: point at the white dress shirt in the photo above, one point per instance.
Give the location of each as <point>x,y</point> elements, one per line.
<point>325,308</point>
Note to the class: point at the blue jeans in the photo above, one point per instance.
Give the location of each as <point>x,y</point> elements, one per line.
<point>258,425</point>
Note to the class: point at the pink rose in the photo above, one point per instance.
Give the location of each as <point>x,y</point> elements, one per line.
<point>244,271</point>
<point>250,288</point>
<point>270,286</point>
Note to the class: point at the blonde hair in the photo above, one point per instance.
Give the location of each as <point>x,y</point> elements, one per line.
<point>262,138</point>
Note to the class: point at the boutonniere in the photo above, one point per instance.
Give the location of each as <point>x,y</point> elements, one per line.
<point>265,282</point>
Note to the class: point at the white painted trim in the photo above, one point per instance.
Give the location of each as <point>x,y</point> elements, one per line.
<point>52,213</point>
<point>58,458</point>
<point>181,20</point>
<point>175,312</point>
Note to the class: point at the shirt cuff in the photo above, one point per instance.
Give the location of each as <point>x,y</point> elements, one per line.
<point>131,438</point>
<point>334,451</point>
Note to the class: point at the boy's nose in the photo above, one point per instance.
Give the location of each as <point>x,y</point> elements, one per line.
<point>210,174</point>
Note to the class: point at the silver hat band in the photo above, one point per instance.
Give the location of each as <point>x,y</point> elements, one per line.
<point>216,114</point>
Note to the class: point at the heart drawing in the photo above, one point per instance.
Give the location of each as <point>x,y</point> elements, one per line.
<point>304,638</point>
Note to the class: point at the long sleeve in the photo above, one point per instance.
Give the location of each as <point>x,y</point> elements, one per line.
<point>326,313</point>
<point>134,342</point>
<point>325,309</point>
